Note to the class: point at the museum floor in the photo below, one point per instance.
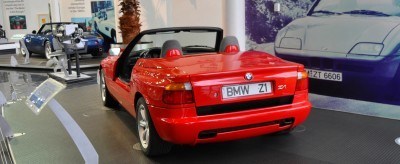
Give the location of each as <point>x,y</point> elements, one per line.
<point>326,137</point>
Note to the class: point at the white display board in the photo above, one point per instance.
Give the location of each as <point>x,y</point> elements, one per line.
<point>43,94</point>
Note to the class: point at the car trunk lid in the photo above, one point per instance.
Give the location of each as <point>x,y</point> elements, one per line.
<point>221,78</point>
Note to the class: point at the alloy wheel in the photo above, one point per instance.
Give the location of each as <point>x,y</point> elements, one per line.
<point>102,87</point>
<point>143,127</point>
<point>47,50</point>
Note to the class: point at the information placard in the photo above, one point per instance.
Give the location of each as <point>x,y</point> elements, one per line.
<point>43,94</point>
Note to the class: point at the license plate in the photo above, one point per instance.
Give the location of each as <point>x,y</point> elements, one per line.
<point>233,91</point>
<point>324,75</point>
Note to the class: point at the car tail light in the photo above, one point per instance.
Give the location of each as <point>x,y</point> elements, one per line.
<point>178,93</point>
<point>302,80</point>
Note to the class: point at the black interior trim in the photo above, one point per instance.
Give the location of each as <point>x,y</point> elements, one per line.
<point>243,106</point>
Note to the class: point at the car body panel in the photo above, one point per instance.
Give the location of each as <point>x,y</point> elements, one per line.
<point>183,126</point>
<point>208,73</point>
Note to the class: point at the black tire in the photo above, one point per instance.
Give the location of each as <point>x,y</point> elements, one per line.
<point>106,97</point>
<point>96,27</point>
<point>155,145</point>
<point>113,36</point>
<point>284,132</point>
<point>96,54</point>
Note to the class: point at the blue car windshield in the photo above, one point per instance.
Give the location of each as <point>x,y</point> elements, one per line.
<point>46,28</point>
<point>362,7</point>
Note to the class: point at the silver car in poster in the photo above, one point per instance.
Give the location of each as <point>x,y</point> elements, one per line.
<point>351,43</point>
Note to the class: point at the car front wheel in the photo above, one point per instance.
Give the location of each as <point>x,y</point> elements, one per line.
<point>106,97</point>
<point>47,49</point>
<point>150,141</point>
<point>23,52</point>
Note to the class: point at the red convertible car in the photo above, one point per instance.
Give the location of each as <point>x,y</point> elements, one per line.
<point>188,85</point>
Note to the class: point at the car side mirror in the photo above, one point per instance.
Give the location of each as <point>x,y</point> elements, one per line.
<point>34,32</point>
<point>114,51</point>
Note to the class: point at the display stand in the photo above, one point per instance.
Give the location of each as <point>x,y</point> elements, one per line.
<point>63,52</point>
<point>44,95</point>
<point>6,134</point>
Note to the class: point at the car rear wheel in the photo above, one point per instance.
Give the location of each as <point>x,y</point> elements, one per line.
<point>106,97</point>
<point>47,50</point>
<point>96,27</point>
<point>96,54</point>
<point>150,141</point>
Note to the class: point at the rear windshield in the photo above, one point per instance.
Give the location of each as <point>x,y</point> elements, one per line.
<point>192,42</point>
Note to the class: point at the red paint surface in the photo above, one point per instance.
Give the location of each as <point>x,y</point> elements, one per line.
<point>207,74</point>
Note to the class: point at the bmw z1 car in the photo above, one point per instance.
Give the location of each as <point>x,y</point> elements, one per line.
<point>41,42</point>
<point>187,85</point>
<point>348,46</point>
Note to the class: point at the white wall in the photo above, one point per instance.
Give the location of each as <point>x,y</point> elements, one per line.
<point>172,13</point>
<point>154,14</point>
<point>55,10</point>
<point>197,13</point>
<point>36,7</point>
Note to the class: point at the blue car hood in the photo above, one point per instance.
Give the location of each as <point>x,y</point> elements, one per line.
<point>89,36</point>
<point>339,33</point>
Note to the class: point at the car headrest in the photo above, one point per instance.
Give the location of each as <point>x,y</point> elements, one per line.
<point>171,48</point>
<point>229,44</point>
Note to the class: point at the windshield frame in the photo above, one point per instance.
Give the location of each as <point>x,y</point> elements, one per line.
<point>136,40</point>
<point>58,23</point>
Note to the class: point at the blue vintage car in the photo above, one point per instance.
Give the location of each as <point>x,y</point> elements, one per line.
<point>41,42</point>
<point>349,47</point>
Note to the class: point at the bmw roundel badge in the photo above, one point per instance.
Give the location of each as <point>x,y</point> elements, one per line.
<point>248,76</point>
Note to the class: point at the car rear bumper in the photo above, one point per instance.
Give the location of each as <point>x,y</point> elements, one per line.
<point>181,126</point>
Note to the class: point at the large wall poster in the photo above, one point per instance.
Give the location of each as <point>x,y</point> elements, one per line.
<point>17,22</point>
<point>15,15</point>
<point>103,20</point>
<point>85,22</point>
<point>263,23</point>
<point>349,47</point>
